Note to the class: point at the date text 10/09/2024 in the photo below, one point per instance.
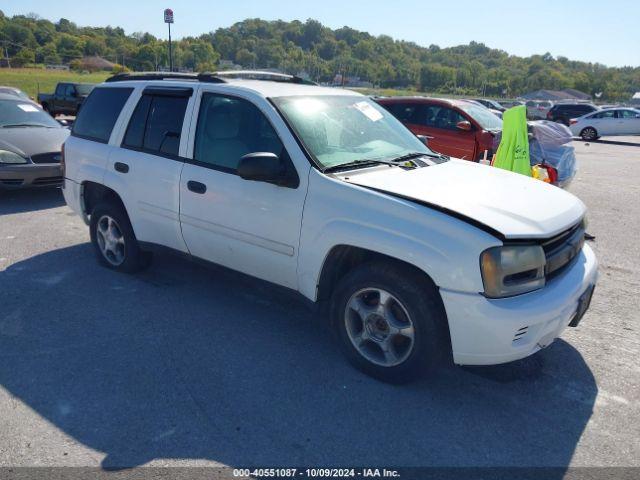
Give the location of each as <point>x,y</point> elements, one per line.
<point>316,472</point>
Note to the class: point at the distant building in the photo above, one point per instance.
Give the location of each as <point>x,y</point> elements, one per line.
<point>556,95</point>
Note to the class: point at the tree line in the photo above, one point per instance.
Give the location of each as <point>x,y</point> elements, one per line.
<point>321,53</point>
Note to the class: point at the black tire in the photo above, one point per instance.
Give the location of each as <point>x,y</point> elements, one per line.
<point>419,298</point>
<point>134,259</point>
<point>589,133</point>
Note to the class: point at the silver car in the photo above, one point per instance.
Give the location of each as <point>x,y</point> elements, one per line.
<point>538,109</point>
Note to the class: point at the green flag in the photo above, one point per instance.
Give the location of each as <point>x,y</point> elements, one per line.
<point>513,151</point>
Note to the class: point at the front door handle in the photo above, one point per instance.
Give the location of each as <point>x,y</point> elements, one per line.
<point>196,187</point>
<point>121,167</point>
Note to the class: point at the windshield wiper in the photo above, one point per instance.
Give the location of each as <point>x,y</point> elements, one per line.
<point>361,163</point>
<point>412,155</point>
<point>11,125</point>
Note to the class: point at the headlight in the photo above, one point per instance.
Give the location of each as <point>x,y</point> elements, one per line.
<point>11,157</point>
<point>512,270</point>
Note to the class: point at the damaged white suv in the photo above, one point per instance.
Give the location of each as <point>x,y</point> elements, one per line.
<point>322,191</point>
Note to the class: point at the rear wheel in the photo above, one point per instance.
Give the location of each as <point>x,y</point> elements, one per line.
<point>389,321</point>
<point>589,133</point>
<point>114,240</point>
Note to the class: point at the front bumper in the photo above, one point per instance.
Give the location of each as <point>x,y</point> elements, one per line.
<point>30,175</point>
<point>490,331</point>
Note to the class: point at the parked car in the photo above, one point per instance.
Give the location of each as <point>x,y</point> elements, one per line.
<point>30,144</point>
<point>412,256</point>
<point>457,128</point>
<point>510,103</point>
<point>490,104</point>
<point>497,113</point>
<point>564,112</point>
<point>538,109</point>
<point>67,98</point>
<point>613,121</point>
<point>14,91</point>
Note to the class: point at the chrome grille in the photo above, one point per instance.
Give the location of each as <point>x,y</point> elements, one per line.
<point>51,157</point>
<point>562,249</point>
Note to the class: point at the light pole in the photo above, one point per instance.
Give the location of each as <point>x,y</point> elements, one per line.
<point>168,19</point>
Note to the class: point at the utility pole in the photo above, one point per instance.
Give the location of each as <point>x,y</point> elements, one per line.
<point>168,19</point>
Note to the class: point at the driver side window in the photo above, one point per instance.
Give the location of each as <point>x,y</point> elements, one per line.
<point>442,117</point>
<point>229,128</point>
<point>606,114</point>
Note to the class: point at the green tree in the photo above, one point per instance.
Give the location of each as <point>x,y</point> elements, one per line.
<point>24,56</point>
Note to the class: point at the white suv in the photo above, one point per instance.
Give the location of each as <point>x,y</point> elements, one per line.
<point>415,256</point>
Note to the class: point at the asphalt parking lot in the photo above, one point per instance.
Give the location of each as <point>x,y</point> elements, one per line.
<point>187,365</point>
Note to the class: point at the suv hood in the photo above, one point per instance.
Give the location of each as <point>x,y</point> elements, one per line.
<point>510,204</point>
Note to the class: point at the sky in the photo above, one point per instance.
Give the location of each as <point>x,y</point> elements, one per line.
<point>590,30</point>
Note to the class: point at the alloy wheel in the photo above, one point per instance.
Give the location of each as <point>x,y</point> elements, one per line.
<point>110,240</point>
<point>379,327</point>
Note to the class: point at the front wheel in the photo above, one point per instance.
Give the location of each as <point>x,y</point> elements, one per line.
<point>390,321</point>
<point>589,133</point>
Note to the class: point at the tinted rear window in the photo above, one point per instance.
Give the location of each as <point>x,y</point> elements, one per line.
<point>156,124</point>
<point>99,113</point>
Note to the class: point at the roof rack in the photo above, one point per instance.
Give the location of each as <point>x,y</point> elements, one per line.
<point>211,77</point>
<point>200,77</point>
<point>262,75</point>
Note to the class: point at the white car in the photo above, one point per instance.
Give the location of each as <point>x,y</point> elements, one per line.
<point>538,109</point>
<point>409,254</point>
<point>607,122</point>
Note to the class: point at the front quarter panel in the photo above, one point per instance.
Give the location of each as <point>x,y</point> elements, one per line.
<point>339,213</point>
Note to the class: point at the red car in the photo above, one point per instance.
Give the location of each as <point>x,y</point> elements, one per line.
<point>456,128</point>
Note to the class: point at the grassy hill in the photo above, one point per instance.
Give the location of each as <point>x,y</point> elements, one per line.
<point>322,53</point>
<point>32,80</point>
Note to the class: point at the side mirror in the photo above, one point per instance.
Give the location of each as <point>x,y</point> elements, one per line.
<point>464,125</point>
<point>261,167</point>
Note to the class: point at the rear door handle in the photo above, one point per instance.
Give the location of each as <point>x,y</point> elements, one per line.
<point>196,187</point>
<point>121,167</point>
